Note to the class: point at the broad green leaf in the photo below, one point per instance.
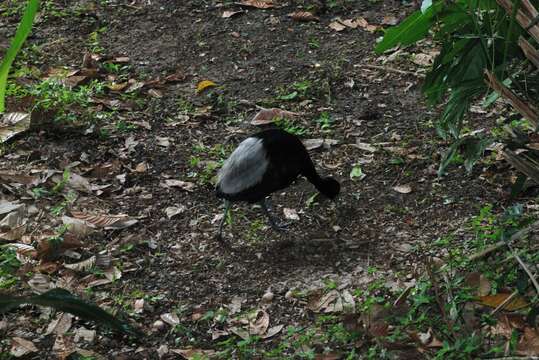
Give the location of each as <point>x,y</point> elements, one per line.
<point>20,36</point>
<point>63,300</point>
<point>493,96</point>
<point>448,156</point>
<point>415,27</point>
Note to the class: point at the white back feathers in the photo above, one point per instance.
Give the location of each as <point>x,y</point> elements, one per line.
<point>244,168</point>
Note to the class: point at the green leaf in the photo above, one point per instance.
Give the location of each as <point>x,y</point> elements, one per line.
<point>290,96</point>
<point>474,149</point>
<point>448,156</point>
<point>356,173</point>
<point>415,27</point>
<point>20,36</point>
<point>493,96</point>
<point>63,300</point>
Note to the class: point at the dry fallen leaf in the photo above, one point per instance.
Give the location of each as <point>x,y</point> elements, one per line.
<point>303,16</point>
<point>184,185</point>
<point>268,116</point>
<point>10,177</point>
<point>21,347</point>
<point>322,302</point>
<point>13,234</point>
<point>261,323</point>
<point>311,144</point>
<point>337,26</point>
<point>403,189</point>
<point>60,325</point>
<point>351,23</point>
<point>390,20</point>
<point>272,331</point>
<point>479,283</point>
<point>529,343</point>
<point>83,265</point>
<point>12,124</point>
<point>63,347</point>
<point>106,221</point>
<point>77,227</point>
<point>259,4</point>
<point>172,211</point>
<point>24,252</point>
<point>518,302</point>
<point>170,318</point>
<point>365,147</point>
<point>205,84</point>
<point>362,22</point>
<point>191,353</point>
<point>8,206</point>
<point>228,13</point>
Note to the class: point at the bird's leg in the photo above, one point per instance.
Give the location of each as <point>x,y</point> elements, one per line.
<point>227,207</point>
<point>266,207</point>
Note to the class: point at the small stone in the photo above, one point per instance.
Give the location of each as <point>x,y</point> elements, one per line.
<point>85,334</point>
<point>162,351</point>
<point>289,295</point>
<point>267,297</point>
<point>32,210</point>
<point>159,325</point>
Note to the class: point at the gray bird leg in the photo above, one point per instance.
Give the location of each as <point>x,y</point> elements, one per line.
<point>227,207</point>
<point>266,207</point>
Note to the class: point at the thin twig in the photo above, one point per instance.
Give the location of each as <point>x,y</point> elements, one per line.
<point>390,69</point>
<point>516,236</point>
<point>436,288</point>
<point>527,270</point>
<point>505,302</point>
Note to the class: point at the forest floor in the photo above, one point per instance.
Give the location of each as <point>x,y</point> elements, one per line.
<point>138,139</point>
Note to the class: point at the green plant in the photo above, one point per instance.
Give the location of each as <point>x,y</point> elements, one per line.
<point>290,127</point>
<point>314,43</point>
<point>8,266</point>
<point>93,42</point>
<point>25,26</point>
<point>63,300</point>
<point>474,36</point>
<point>325,121</point>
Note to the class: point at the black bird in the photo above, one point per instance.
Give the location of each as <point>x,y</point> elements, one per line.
<point>264,163</point>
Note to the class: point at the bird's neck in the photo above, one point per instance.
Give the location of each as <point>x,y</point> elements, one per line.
<point>315,179</point>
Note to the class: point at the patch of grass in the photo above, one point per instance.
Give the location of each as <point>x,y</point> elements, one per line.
<point>324,121</point>
<point>9,264</point>
<point>93,44</point>
<point>314,43</point>
<point>428,306</point>
<point>291,127</point>
<point>206,160</point>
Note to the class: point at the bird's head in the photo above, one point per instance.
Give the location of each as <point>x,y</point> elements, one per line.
<point>330,187</point>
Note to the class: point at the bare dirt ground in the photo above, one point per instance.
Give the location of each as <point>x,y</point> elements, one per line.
<point>255,57</point>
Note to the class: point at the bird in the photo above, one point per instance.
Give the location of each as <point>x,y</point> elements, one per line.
<point>262,164</point>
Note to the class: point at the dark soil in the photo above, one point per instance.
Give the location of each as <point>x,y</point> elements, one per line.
<point>254,57</point>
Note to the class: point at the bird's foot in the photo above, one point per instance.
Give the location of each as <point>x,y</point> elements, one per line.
<point>221,240</point>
